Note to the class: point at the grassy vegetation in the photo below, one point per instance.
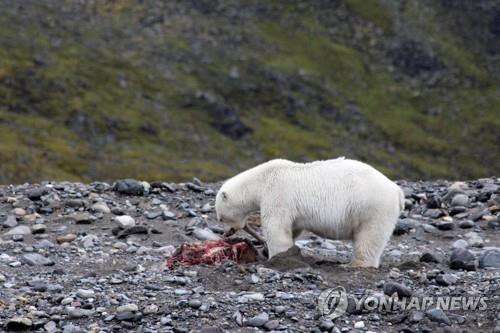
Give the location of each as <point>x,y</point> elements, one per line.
<point>112,98</point>
<point>372,10</point>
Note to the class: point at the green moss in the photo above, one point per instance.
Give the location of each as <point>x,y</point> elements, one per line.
<point>280,139</point>
<point>372,10</point>
<point>316,55</point>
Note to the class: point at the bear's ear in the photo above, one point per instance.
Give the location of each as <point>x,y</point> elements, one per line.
<point>224,196</point>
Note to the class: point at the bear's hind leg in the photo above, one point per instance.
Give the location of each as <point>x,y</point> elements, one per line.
<point>278,234</point>
<point>369,243</point>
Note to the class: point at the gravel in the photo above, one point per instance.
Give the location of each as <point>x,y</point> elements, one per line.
<point>87,271</point>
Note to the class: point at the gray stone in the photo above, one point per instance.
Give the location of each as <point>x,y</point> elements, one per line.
<point>194,303</point>
<point>405,225</point>
<point>446,279</point>
<point>38,228</point>
<point>10,222</point>
<point>85,293</point>
<point>490,258</point>
<point>35,259</point>
<point>127,307</point>
<point>205,234</point>
<point>19,230</point>
<point>416,316</point>
<point>393,287</point>
<point>437,315</point>
<point>462,259</point>
<point>129,186</point>
<point>100,207</point>
<point>466,224</point>
<point>445,225</point>
<point>37,193</point>
<point>258,321</point>
<point>429,257</point>
<point>19,324</point>
<point>460,244</point>
<point>71,328</point>
<point>82,218</point>
<point>271,325</point>
<point>460,200</point>
<point>50,327</point>
<point>326,325</point>
<point>473,239</point>
<point>125,221</point>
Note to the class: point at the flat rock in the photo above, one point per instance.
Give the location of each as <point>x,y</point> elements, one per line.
<point>393,287</point>
<point>10,221</point>
<point>19,230</point>
<point>438,315</point>
<point>258,320</point>
<point>490,258</point>
<point>36,259</point>
<point>125,221</point>
<point>65,238</point>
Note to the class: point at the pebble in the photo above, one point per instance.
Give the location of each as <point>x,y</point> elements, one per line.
<point>125,221</point>
<point>82,218</point>
<point>251,297</point>
<point>129,186</point>
<point>68,238</point>
<point>35,259</point>
<point>466,224</point>
<point>85,293</point>
<point>128,307</point>
<point>10,221</point>
<point>446,279</point>
<point>490,258</point>
<point>19,230</point>
<point>462,259</point>
<point>19,324</point>
<point>473,239</point>
<point>271,325</point>
<point>460,244</point>
<point>100,207</point>
<point>359,325</point>
<point>19,211</point>
<point>258,320</point>
<point>393,287</point>
<point>150,309</point>
<point>460,200</point>
<point>326,325</point>
<point>38,229</point>
<point>438,315</point>
<point>429,257</point>
<point>205,234</point>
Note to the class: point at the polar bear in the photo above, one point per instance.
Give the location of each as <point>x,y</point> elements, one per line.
<point>339,199</point>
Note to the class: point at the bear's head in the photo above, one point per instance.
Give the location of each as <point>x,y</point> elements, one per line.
<point>229,212</point>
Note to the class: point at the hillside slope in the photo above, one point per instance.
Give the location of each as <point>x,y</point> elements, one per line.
<point>165,90</point>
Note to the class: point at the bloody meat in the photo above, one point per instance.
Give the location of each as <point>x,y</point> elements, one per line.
<point>213,251</point>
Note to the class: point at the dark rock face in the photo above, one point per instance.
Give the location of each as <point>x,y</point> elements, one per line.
<point>495,25</point>
<point>412,59</point>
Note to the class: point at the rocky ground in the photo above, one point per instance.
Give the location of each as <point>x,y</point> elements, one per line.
<point>91,258</point>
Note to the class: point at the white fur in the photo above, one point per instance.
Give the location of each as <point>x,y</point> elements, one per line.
<point>336,199</point>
